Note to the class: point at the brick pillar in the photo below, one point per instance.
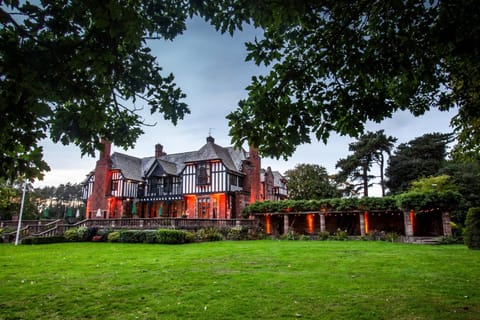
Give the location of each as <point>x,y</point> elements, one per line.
<point>408,224</point>
<point>362,224</point>
<point>322,222</point>
<point>285,223</point>
<point>447,228</point>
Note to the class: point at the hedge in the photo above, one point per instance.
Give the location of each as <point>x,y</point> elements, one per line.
<point>43,240</point>
<point>472,229</point>
<point>418,201</point>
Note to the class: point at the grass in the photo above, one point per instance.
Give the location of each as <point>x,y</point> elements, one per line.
<point>240,280</point>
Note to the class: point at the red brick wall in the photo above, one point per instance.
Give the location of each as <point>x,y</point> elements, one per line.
<point>98,200</point>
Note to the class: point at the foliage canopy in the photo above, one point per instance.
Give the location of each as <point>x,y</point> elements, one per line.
<point>79,65</point>
<point>309,181</point>
<point>337,64</point>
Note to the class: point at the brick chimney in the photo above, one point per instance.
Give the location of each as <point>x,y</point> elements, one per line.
<point>98,199</point>
<point>159,151</point>
<point>255,184</point>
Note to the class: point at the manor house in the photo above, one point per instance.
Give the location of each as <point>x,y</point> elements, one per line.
<point>213,182</point>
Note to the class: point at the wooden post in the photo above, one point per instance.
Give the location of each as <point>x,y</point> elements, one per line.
<point>447,228</point>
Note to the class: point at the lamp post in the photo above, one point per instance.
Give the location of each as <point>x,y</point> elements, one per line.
<point>21,213</point>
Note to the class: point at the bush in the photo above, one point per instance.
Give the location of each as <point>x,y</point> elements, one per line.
<point>291,235</point>
<point>72,235</point>
<point>132,236</point>
<point>305,237</point>
<point>237,233</point>
<point>113,236</point>
<point>43,240</point>
<point>472,229</point>
<point>150,236</point>
<point>392,237</point>
<point>87,234</point>
<point>340,235</point>
<point>324,235</point>
<point>167,236</point>
<point>208,234</point>
<point>102,235</point>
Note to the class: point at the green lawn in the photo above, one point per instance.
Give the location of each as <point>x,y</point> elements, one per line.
<point>240,280</point>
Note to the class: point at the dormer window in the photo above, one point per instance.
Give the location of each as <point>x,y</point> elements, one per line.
<point>203,173</point>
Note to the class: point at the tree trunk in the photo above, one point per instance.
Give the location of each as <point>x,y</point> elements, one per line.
<point>382,182</point>
<point>365,180</point>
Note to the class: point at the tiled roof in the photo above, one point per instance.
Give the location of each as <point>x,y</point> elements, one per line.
<point>131,167</point>
<point>135,168</point>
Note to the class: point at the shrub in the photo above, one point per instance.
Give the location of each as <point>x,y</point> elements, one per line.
<point>392,237</point>
<point>305,237</point>
<point>237,233</point>
<point>43,240</point>
<point>208,234</point>
<point>132,236</point>
<point>324,235</point>
<point>150,236</point>
<point>448,240</point>
<point>167,236</point>
<point>340,235</point>
<point>72,235</point>
<point>102,235</point>
<point>113,236</point>
<point>472,228</point>
<point>87,233</point>
<point>291,235</point>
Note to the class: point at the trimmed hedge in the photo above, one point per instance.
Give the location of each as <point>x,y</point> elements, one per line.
<point>411,200</point>
<point>167,236</point>
<point>43,240</point>
<point>132,236</point>
<point>472,229</point>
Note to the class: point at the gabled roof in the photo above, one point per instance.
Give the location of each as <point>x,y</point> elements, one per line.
<point>160,167</point>
<point>131,167</point>
<point>173,164</point>
<point>211,151</point>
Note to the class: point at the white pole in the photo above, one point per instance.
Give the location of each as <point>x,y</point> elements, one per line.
<point>21,213</point>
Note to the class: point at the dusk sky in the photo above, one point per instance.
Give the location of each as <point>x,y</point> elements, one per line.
<point>211,69</point>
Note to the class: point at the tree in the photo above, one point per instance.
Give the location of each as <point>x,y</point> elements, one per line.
<point>337,64</point>
<point>437,183</point>
<point>421,157</point>
<point>309,182</point>
<point>466,176</point>
<point>71,68</point>
<point>10,200</point>
<point>472,229</point>
<point>369,149</point>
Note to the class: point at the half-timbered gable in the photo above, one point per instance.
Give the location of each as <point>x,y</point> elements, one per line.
<point>162,181</point>
<point>125,176</point>
<point>280,190</point>
<point>87,186</point>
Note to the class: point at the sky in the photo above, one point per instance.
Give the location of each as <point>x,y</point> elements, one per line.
<point>211,69</point>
